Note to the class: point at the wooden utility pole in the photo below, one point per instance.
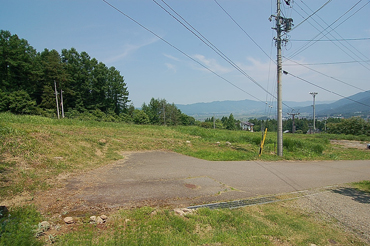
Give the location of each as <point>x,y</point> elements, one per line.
<point>293,125</point>
<point>56,98</point>
<point>164,113</point>
<point>61,102</point>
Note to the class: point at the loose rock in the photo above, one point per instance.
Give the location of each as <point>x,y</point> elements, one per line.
<point>93,219</point>
<point>99,220</point>
<point>183,211</point>
<point>68,220</point>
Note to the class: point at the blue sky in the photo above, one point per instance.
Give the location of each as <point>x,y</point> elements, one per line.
<point>152,68</point>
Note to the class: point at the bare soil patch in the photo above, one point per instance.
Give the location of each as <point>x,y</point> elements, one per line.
<point>350,144</point>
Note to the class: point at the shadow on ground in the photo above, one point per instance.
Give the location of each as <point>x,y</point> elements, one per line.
<point>357,195</point>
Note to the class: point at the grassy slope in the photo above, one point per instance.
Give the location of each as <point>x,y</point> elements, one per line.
<point>34,150</point>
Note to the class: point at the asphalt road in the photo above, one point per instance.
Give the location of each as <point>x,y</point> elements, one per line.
<point>166,178</point>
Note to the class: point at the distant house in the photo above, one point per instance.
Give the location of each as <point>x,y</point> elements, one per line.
<point>247,126</point>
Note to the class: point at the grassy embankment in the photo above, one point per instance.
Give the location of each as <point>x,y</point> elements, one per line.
<point>34,150</point>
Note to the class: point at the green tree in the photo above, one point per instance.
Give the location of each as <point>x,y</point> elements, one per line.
<point>117,92</point>
<point>20,102</point>
<point>231,123</point>
<point>351,126</point>
<point>187,120</point>
<point>52,71</point>
<point>154,110</point>
<point>140,117</point>
<point>87,84</point>
<point>17,60</point>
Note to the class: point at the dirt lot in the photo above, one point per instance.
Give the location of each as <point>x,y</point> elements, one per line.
<point>350,144</point>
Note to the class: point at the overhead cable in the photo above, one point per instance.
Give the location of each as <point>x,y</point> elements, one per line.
<point>210,45</point>
<point>321,32</point>
<point>330,76</point>
<point>182,52</point>
<point>309,44</point>
<point>311,83</point>
<point>311,15</point>
<point>321,63</point>
<point>241,28</point>
<point>333,29</point>
<point>329,40</point>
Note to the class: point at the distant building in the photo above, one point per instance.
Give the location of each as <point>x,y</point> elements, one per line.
<point>247,126</point>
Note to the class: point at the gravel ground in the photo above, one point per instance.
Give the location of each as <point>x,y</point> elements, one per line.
<point>350,207</point>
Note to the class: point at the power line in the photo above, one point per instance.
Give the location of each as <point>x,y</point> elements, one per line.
<point>285,72</point>
<point>307,45</point>
<point>245,32</point>
<point>322,63</point>
<point>209,44</point>
<point>321,32</point>
<point>241,28</point>
<point>341,81</point>
<point>311,15</point>
<point>329,40</point>
<point>182,52</point>
<point>333,29</point>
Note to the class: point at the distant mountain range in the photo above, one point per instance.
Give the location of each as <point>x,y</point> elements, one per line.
<point>355,105</point>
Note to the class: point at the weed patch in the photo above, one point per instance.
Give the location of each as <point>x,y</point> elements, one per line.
<point>256,225</point>
<point>363,185</point>
<point>17,228</point>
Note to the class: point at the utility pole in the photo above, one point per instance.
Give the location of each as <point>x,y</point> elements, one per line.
<point>293,125</point>
<point>56,97</point>
<point>61,102</point>
<point>164,113</point>
<point>279,85</point>
<point>283,25</point>
<point>314,96</point>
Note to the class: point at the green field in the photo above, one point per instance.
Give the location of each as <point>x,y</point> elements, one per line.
<point>34,150</point>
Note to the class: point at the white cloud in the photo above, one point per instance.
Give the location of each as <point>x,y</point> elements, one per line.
<point>212,64</point>
<point>172,57</point>
<point>129,49</point>
<point>171,67</point>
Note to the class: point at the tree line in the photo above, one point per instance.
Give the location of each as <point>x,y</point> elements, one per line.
<point>89,89</point>
<point>350,126</point>
<point>27,80</point>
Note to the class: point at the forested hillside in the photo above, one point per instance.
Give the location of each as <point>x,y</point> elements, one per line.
<point>27,80</point>
<point>86,88</point>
